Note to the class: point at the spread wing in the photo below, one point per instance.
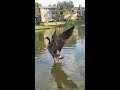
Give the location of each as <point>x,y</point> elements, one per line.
<point>66,34</point>
<point>54,37</point>
<point>60,41</point>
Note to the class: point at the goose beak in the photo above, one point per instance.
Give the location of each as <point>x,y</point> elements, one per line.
<point>61,57</point>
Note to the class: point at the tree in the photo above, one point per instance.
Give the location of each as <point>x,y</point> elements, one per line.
<point>49,5</point>
<point>59,11</point>
<point>64,8</point>
<point>54,5</point>
<point>37,13</point>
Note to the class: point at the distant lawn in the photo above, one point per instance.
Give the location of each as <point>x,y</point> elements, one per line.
<point>71,22</point>
<point>48,26</point>
<point>42,31</point>
<point>41,27</point>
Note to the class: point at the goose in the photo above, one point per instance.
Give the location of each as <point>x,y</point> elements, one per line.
<point>56,44</point>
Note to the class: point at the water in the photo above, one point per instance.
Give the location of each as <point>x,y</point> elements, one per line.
<point>66,74</point>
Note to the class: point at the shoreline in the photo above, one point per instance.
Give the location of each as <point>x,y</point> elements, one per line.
<point>54,25</point>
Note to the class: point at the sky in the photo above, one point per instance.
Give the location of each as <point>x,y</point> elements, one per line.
<point>48,2</point>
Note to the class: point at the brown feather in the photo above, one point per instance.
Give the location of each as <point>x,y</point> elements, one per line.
<point>60,40</point>
<point>65,35</point>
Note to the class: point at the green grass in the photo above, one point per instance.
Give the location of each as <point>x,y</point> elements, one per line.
<point>38,28</point>
<point>79,22</point>
<point>49,26</point>
<point>42,31</point>
<point>41,27</point>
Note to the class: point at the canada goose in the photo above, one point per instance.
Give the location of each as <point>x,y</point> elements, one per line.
<point>57,42</point>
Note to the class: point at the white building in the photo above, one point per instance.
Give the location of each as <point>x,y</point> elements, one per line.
<point>83,12</point>
<point>47,13</point>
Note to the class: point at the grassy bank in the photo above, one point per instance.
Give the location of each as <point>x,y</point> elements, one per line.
<point>48,26</point>
<point>67,24</point>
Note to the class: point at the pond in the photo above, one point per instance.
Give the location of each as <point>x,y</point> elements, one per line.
<point>66,74</point>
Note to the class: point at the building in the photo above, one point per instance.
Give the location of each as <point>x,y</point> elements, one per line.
<point>83,12</point>
<point>77,12</point>
<point>47,13</point>
<point>80,11</point>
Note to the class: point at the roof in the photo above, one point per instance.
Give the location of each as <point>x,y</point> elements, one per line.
<point>47,7</point>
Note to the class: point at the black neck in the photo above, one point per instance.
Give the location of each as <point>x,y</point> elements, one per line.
<point>49,40</point>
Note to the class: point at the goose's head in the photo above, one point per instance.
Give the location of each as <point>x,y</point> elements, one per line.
<point>48,39</point>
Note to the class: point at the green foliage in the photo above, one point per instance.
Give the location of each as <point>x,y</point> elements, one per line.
<point>64,8</point>
<point>37,11</point>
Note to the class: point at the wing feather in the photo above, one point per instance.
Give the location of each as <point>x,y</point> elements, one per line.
<point>63,37</point>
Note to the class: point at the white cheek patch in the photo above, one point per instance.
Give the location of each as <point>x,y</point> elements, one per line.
<point>60,57</point>
<point>58,52</point>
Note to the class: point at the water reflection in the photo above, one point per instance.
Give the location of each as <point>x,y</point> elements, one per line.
<point>61,79</point>
<point>39,43</point>
<point>81,34</point>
